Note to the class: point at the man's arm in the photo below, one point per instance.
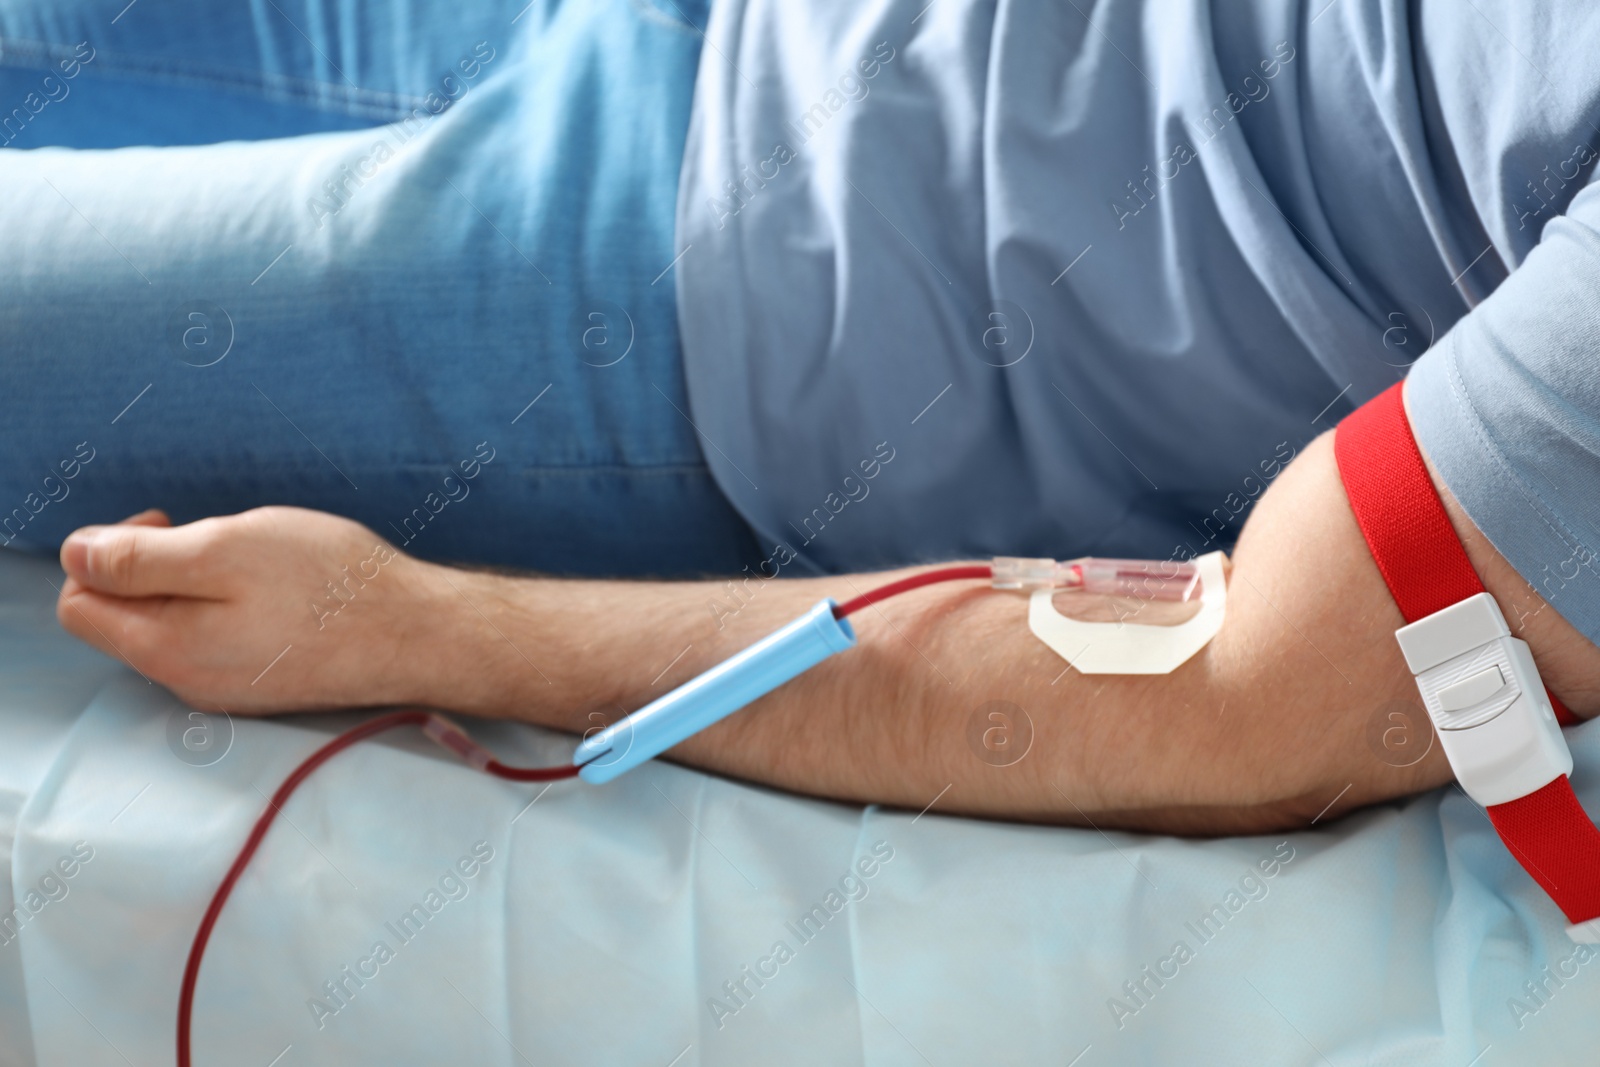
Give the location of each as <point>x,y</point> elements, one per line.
<point>1267,727</point>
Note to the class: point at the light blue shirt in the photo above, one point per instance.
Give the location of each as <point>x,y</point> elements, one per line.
<point>1091,275</point>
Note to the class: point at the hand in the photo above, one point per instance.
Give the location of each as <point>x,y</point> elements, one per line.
<point>274,609</point>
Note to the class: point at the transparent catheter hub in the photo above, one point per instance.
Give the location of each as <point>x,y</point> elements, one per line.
<point>1145,579</point>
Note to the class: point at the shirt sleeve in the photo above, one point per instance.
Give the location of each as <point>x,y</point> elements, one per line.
<point>1507,405</point>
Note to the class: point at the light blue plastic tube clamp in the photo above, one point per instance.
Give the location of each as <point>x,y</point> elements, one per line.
<point>714,695</point>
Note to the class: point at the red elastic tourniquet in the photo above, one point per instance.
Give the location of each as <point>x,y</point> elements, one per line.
<point>1552,837</point>
<point>1427,570</point>
<point>1402,517</point>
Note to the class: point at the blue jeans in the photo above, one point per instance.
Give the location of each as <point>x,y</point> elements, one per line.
<point>413,270</point>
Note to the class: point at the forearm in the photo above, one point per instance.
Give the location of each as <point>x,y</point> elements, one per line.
<point>897,720</point>
<point>1264,727</point>
<point>884,722</point>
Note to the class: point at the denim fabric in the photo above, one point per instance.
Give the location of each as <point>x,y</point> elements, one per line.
<point>409,263</point>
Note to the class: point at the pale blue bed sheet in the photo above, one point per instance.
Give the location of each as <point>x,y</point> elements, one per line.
<point>607,919</point>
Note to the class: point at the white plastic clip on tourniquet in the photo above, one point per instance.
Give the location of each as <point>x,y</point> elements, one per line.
<point>717,693</point>
<point>1133,648</point>
<point>1483,693</point>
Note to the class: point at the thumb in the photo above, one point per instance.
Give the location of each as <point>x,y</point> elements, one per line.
<point>147,517</point>
<point>144,556</point>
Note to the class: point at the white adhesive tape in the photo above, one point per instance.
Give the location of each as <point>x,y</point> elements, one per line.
<point>1133,648</point>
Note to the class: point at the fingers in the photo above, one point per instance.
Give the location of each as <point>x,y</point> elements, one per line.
<point>147,517</point>
<point>143,556</point>
<point>125,629</point>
